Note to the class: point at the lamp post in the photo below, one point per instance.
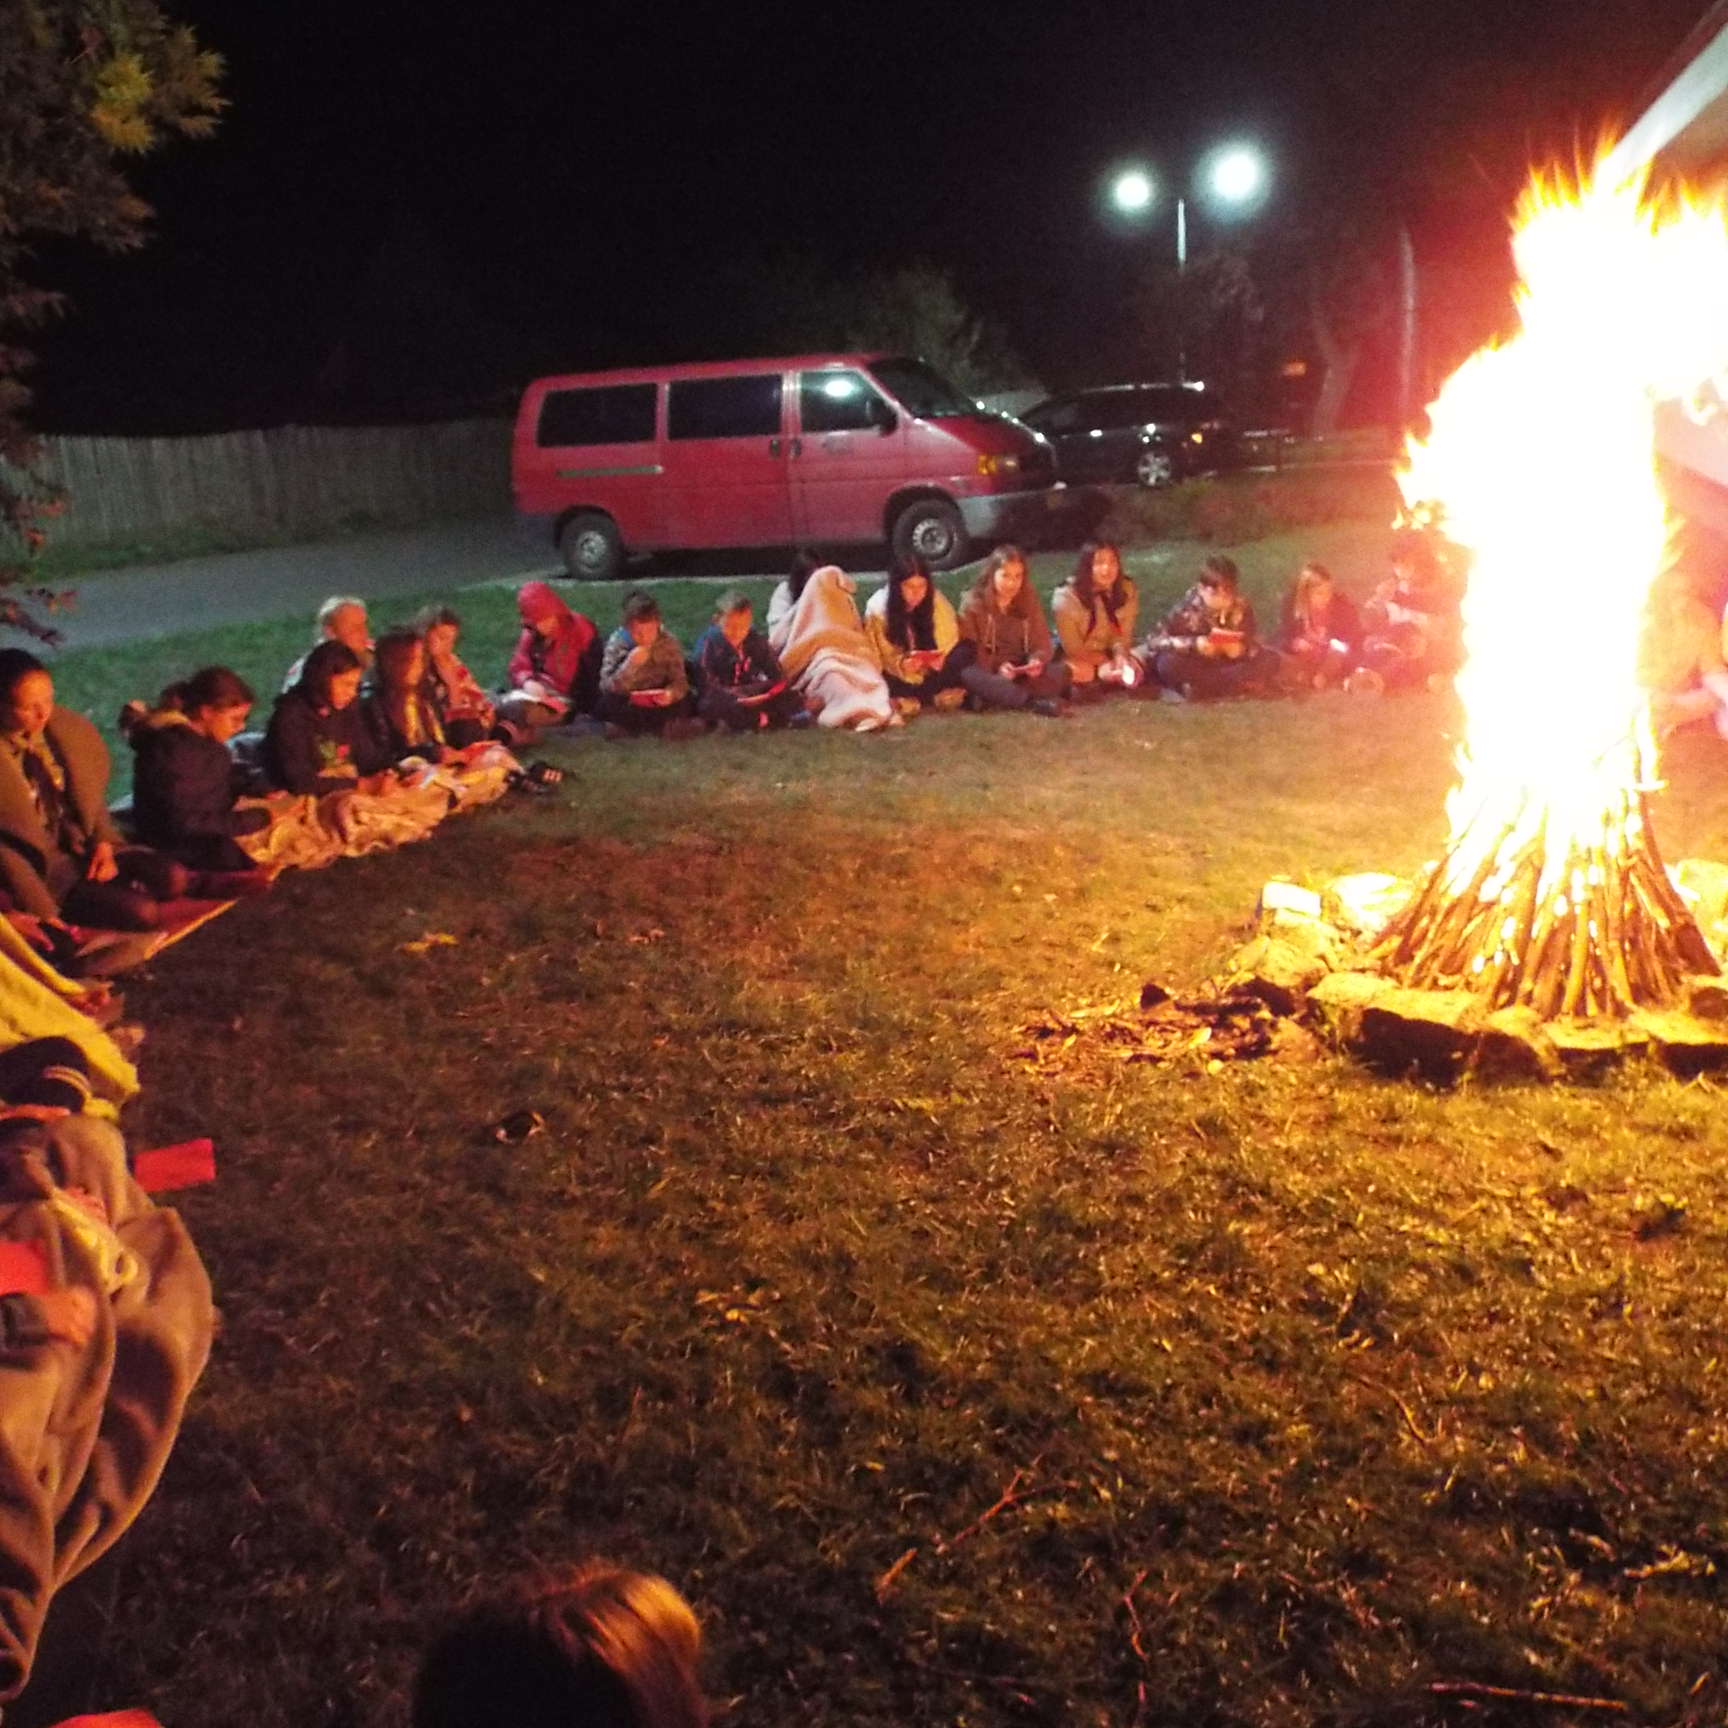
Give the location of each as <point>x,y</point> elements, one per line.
<point>1232,178</point>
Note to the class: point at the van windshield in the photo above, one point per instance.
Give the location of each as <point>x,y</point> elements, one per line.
<point>922,391</point>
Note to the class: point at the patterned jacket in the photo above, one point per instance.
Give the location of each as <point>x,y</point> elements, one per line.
<point>662,668</point>
<point>1192,620</point>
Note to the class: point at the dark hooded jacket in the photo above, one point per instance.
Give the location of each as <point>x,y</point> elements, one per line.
<point>184,788</point>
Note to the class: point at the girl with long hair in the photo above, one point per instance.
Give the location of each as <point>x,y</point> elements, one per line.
<point>916,633</point>
<point>1095,611</point>
<point>1320,631</point>
<point>1013,664</point>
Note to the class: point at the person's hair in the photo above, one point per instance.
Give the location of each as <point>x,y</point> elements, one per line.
<point>1113,598</point>
<point>1220,572</point>
<point>210,687</point>
<point>1310,576</point>
<point>391,654</point>
<point>16,664</point>
<point>327,612</point>
<point>431,617</point>
<point>639,606</point>
<point>805,564</point>
<point>983,590</point>
<point>911,628</point>
<point>597,1647</point>
<point>732,600</point>
<point>327,661</point>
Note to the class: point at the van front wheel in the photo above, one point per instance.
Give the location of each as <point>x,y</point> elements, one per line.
<point>931,530</point>
<point>591,547</point>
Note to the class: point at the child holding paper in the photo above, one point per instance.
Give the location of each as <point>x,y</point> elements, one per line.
<point>1208,647</point>
<point>743,685</point>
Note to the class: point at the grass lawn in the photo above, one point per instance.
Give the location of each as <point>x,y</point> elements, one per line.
<point>953,1389</point>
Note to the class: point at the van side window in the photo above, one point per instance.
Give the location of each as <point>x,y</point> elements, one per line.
<point>836,402</point>
<point>724,407</point>
<point>612,414</point>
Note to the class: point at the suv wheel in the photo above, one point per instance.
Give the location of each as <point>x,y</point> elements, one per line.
<point>591,547</point>
<point>1154,467</point>
<point>931,530</point>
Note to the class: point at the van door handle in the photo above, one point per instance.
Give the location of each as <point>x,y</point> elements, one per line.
<point>797,446</point>
<point>773,446</point>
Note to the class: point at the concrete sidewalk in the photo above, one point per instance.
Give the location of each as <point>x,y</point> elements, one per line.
<point>275,582</point>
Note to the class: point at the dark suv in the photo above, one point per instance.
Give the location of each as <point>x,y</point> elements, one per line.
<point>1148,434</point>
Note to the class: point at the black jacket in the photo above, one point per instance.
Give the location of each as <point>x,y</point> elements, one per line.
<point>183,790</point>
<point>303,744</point>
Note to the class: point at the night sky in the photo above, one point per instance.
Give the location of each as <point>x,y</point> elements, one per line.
<point>471,196</point>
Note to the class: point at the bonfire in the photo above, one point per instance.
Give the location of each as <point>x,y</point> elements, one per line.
<point>1541,465</point>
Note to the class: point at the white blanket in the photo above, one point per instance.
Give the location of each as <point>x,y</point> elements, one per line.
<point>822,644</point>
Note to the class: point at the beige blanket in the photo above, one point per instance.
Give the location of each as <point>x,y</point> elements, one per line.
<point>85,1432</point>
<point>822,644</point>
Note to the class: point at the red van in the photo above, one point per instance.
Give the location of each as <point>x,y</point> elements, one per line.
<point>824,449</point>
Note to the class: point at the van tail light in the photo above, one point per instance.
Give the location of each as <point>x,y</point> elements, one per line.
<point>988,465</point>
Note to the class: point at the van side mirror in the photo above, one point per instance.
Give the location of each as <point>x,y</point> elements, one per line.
<point>882,417</point>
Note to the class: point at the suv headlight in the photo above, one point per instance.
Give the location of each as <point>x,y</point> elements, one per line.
<point>988,465</point>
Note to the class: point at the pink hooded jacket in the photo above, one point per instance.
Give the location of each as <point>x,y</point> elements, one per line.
<point>554,660</point>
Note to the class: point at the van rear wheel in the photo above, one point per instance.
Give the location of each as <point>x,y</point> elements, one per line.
<point>591,547</point>
<point>931,530</point>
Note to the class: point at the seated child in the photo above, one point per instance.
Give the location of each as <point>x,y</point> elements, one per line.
<point>832,662</point>
<point>643,683</point>
<point>1207,647</point>
<point>399,713</point>
<point>1013,664</point>
<point>403,721</point>
<point>916,634</point>
<point>319,747</point>
<point>188,792</point>
<point>1095,611</point>
<point>61,857</point>
<point>1413,629</point>
<point>317,740</point>
<point>555,669</point>
<point>742,683</point>
<point>342,618</point>
<point>596,1646</point>
<point>465,711</point>
<point>1320,632</point>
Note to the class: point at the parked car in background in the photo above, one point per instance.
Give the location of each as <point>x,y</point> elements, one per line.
<point>820,450</point>
<point>1147,434</point>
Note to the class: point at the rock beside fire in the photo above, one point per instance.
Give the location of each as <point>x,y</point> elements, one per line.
<point>1307,962</point>
<point>1307,970</point>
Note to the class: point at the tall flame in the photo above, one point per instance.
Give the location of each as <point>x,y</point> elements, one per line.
<point>1542,457</point>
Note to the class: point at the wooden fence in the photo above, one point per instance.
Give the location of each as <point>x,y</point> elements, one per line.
<point>293,481</point>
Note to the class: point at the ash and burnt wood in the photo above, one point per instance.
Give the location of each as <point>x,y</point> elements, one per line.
<point>1600,932</point>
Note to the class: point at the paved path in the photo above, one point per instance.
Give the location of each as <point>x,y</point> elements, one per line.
<point>241,587</point>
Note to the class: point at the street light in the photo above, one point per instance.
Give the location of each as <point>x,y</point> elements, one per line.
<point>1234,177</point>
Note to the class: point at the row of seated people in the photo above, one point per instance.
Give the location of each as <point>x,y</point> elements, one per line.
<point>371,744</point>
<point>336,774</point>
<point>820,660</point>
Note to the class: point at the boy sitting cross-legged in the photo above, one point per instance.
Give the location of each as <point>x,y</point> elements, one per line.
<point>643,684</point>
<point>743,685</point>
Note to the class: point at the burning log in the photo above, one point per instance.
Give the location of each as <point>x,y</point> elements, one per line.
<point>1589,925</point>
